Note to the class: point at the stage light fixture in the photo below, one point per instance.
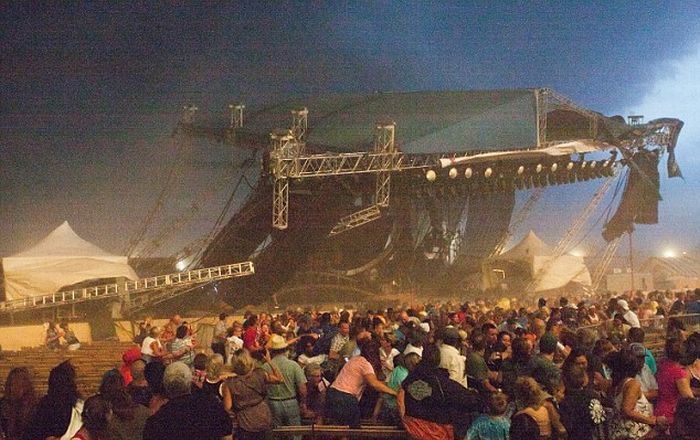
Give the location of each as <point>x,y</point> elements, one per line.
<point>431,176</point>
<point>583,164</point>
<point>554,167</point>
<point>570,166</point>
<point>593,164</point>
<point>468,173</point>
<point>606,163</point>
<point>453,173</point>
<point>521,170</point>
<point>488,172</point>
<point>538,168</point>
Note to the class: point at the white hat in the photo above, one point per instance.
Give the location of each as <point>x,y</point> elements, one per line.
<point>278,342</point>
<point>622,303</point>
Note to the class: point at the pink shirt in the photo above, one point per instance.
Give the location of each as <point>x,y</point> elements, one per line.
<point>666,376</point>
<point>351,378</point>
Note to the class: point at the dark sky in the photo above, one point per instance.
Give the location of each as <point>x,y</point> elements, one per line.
<point>90,94</point>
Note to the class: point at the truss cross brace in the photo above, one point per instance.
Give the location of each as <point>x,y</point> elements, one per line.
<point>356,219</point>
<point>384,143</point>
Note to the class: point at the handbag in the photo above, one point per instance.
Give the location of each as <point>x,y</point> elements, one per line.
<point>76,421</point>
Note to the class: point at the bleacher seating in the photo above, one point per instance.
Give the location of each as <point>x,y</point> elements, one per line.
<point>91,362</point>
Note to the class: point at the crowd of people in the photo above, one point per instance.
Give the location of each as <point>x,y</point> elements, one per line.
<point>560,369</point>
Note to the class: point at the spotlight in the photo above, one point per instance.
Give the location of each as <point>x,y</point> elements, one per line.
<point>468,173</point>
<point>431,176</point>
<point>488,172</point>
<point>606,163</point>
<point>593,164</point>
<point>453,173</point>
<point>554,167</point>
<point>538,168</point>
<point>570,166</point>
<point>521,169</point>
<point>583,164</point>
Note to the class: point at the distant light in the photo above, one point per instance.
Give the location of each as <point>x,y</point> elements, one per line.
<point>669,253</point>
<point>181,265</point>
<point>577,253</point>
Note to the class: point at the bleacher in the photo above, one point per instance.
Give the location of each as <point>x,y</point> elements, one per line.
<point>91,361</point>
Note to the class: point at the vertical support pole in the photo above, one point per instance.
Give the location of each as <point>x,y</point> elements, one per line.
<point>283,147</point>
<point>384,143</point>
<point>631,257</point>
<point>300,124</point>
<point>541,116</point>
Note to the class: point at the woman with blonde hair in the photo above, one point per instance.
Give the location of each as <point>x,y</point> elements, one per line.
<point>529,399</point>
<point>215,376</point>
<point>245,394</point>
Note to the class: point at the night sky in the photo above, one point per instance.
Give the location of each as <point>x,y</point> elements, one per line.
<point>89,95</point>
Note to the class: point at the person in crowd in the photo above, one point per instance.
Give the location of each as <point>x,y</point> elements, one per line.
<point>215,376</point>
<point>218,343</point>
<point>432,405</point>
<point>53,336</point>
<point>581,410</point>
<point>646,378</point>
<point>18,403</point>
<point>387,410</point>
<point>129,418</point>
<point>168,332</point>
<point>70,341</point>
<point>138,387</point>
<point>387,352</point>
<point>343,396</point>
<point>636,336</point>
<point>245,395</point>
<point>144,330</point>
<point>678,306</point>
<point>518,365</point>
<point>316,388</point>
<point>96,417</point>
<point>199,370</point>
<point>181,348</point>
<point>153,373</point>
<point>529,400</point>
<point>128,358</point>
<point>450,357</point>
<point>339,340</point>
<point>692,354</point>
<point>152,348</point>
<point>542,366</point>
<point>284,397</point>
<point>250,335</point>
<point>672,379</point>
<point>478,374</point>
<point>62,402</point>
<point>627,314</point>
<point>633,417</point>
<point>308,355</point>
<point>233,340</point>
<point>687,421</point>
<point>187,415</point>
<point>494,425</point>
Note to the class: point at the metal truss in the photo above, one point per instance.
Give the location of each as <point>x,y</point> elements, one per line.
<point>236,120</point>
<point>384,143</point>
<point>300,125</point>
<point>604,262</point>
<point>280,204</point>
<point>125,290</point>
<point>519,218</point>
<point>356,219</point>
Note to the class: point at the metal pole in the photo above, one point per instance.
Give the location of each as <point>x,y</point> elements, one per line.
<point>631,256</point>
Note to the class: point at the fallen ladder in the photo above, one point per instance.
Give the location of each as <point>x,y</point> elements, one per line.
<point>125,290</point>
<point>356,219</point>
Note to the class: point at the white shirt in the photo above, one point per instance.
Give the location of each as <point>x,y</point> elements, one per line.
<point>387,358</point>
<point>146,345</point>
<point>454,363</point>
<point>632,319</point>
<point>319,359</point>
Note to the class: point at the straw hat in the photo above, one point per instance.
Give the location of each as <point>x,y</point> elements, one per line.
<point>278,342</point>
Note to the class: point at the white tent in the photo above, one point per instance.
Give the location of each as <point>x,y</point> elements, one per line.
<point>549,272</point>
<point>62,258</point>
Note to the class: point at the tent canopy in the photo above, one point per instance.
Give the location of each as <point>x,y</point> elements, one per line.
<point>62,258</point>
<point>550,272</point>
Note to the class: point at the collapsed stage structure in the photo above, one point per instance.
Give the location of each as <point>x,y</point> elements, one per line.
<point>353,193</point>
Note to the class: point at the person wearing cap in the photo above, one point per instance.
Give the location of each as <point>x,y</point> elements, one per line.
<point>646,378</point>
<point>450,357</point>
<point>627,314</point>
<point>283,398</point>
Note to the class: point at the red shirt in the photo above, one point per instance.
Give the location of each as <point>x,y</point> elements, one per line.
<point>250,336</point>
